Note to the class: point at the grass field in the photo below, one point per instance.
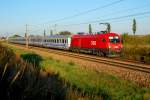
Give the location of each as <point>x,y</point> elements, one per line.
<point>73,81</point>
<point>136,47</point>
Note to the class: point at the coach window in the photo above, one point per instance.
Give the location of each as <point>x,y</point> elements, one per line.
<point>62,40</point>
<point>59,40</point>
<point>65,41</point>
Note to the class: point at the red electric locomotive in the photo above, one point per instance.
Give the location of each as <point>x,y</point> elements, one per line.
<point>108,44</point>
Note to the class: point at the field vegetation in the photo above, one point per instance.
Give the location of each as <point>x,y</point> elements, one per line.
<point>136,47</point>
<point>46,78</point>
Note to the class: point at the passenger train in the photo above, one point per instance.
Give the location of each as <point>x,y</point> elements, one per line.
<point>108,44</point>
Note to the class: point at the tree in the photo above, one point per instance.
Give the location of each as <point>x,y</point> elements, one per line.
<point>108,28</point>
<point>65,33</point>
<point>16,35</point>
<point>90,29</point>
<point>134,26</point>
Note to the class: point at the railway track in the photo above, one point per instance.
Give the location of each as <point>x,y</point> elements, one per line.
<point>123,64</point>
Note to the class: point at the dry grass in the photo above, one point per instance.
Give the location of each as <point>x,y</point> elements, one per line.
<point>136,48</point>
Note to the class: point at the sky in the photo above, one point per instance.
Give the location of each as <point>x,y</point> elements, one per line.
<point>73,16</point>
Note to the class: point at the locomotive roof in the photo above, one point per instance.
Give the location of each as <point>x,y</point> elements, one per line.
<point>91,35</point>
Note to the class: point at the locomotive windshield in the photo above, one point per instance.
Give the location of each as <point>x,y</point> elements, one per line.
<point>114,39</point>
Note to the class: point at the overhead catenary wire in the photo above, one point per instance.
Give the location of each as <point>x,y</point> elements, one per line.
<point>125,10</point>
<point>108,19</point>
<point>130,9</point>
<point>114,19</point>
<point>86,12</point>
<point>139,7</point>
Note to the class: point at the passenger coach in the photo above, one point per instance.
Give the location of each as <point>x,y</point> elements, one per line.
<point>57,41</point>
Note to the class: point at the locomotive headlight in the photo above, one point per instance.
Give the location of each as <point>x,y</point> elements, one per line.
<point>116,46</point>
<point>109,46</point>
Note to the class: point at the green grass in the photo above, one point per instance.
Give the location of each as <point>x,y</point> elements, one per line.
<point>92,83</point>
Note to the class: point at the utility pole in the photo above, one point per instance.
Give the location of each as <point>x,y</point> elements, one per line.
<point>55,29</point>
<point>26,36</point>
<point>51,32</point>
<point>44,32</point>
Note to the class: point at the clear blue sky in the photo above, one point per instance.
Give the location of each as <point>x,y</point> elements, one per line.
<point>41,14</point>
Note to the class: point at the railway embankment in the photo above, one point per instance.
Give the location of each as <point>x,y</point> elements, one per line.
<point>87,79</point>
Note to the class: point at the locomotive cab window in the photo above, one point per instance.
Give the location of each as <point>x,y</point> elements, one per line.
<point>114,39</point>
